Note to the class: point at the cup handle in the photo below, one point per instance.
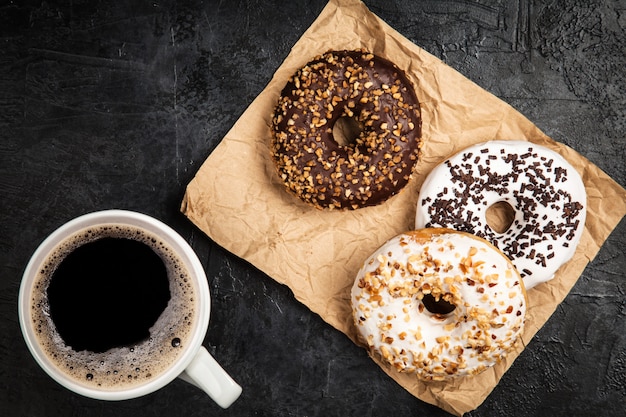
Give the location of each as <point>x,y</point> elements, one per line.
<point>205,373</point>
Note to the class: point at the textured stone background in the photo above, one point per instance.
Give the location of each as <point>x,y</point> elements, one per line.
<point>116,104</point>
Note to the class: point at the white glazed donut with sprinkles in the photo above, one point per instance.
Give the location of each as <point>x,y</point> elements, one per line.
<point>545,192</point>
<point>439,304</point>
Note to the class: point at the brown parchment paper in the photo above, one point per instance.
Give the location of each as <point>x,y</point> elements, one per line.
<point>237,199</point>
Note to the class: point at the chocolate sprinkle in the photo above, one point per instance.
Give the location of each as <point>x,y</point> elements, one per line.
<point>530,182</point>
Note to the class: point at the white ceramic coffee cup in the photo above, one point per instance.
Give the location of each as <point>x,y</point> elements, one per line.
<point>194,365</point>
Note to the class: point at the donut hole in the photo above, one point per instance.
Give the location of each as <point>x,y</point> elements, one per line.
<point>438,307</point>
<point>500,216</point>
<point>345,131</point>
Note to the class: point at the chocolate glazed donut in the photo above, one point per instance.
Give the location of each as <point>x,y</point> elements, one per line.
<point>378,163</point>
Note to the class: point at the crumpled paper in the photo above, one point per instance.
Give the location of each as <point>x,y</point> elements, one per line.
<point>237,199</point>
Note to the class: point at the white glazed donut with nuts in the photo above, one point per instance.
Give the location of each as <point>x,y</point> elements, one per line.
<point>439,304</point>
<point>545,192</point>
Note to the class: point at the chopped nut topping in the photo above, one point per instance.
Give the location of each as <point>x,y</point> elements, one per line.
<point>469,338</point>
<point>380,160</point>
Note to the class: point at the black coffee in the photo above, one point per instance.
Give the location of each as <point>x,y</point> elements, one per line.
<point>108,293</point>
<point>113,306</point>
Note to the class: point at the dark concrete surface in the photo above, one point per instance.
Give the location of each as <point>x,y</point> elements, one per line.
<point>116,104</point>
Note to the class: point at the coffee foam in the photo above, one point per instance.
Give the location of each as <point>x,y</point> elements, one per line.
<point>129,366</point>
